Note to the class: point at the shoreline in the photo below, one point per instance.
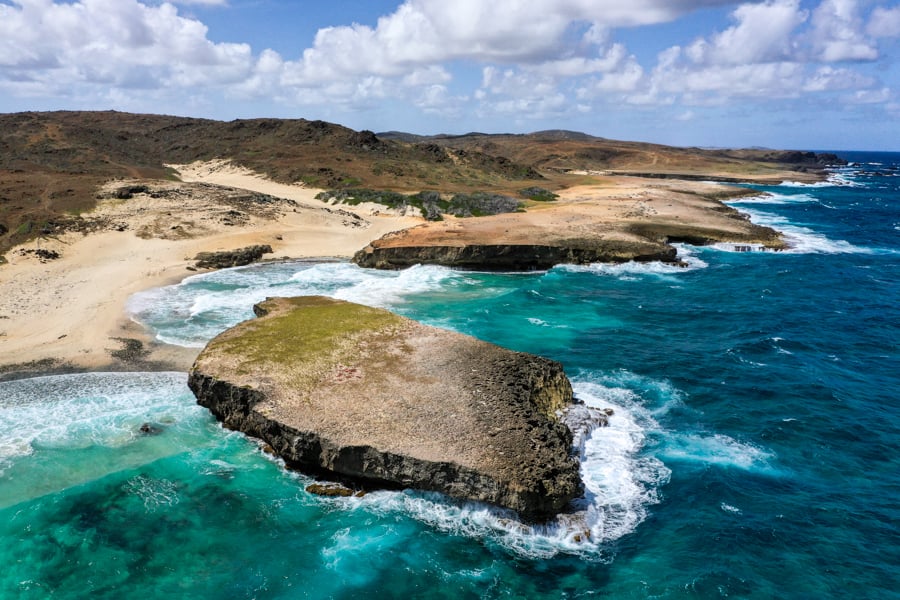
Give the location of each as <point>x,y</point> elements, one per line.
<point>69,314</point>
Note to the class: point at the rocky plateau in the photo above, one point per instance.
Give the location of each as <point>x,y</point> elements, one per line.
<point>370,398</point>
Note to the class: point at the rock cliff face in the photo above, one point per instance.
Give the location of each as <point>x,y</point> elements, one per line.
<point>510,257</point>
<point>364,395</point>
<point>231,258</point>
<point>635,224</point>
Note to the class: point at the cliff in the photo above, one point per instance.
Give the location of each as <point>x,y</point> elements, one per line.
<point>360,394</point>
<point>624,221</point>
<point>487,256</point>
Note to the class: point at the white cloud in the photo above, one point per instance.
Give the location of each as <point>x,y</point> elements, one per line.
<point>537,59</point>
<point>627,78</point>
<point>774,50</point>
<point>876,96</point>
<point>827,78</point>
<point>837,33</point>
<point>425,32</point>
<point>516,82</point>
<point>762,34</point>
<point>427,76</point>
<point>714,83</point>
<point>609,60</point>
<point>202,2</point>
<point>437,100</point>
<point>112,43</point>
<point>522,92</point>
<point>884,22</point>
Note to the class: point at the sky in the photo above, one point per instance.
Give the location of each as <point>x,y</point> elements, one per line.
<point>801,74</point>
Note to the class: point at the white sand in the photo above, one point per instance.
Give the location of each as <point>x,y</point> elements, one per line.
<point>69,308</point>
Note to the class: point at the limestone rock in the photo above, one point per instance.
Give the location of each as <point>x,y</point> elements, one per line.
<point>231,258</point>
<point>361,394</point>
<point>488,256</point>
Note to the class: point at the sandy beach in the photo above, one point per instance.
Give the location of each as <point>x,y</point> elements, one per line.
<point>66,313</point>
<point>70,312</point>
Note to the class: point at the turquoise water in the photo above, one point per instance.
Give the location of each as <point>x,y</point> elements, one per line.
<point>752,454</point>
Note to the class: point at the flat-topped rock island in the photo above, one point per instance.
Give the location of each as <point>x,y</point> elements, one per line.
<point>366,396</point>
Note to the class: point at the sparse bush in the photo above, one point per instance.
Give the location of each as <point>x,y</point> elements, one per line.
<point>538,194</point>
<point>127,192</point>
<point>479,204</point>
<point>431,203</point>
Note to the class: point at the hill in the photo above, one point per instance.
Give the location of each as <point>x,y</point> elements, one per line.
<point>559,151</point>
<point>52,163</point>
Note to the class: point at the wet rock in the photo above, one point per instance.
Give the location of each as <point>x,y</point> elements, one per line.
<point>127,192</point>
<point>150,429</point>
<point>329,489</point>
<point>490,256</point>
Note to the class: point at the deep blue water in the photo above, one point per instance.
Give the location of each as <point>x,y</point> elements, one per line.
<point>752,454</point>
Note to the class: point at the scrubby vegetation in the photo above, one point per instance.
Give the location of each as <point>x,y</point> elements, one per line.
<point>433,205</point>
<point>322,331</point>
<point>538,194</point>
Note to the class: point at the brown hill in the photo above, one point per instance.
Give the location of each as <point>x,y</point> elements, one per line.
<point>52,163</point>
<point>560,151</point>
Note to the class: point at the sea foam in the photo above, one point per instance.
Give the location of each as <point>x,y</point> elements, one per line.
<point>60,431</point>
<point>202,306</point>
<point>835,179</point>
<point>71,411</point>
<point>632,270</point>
<point>802,240</point>
<point>716,449</point>
<point>622,482</point>
<point>775,199</point>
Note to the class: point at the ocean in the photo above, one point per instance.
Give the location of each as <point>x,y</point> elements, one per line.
<point>753,450</point>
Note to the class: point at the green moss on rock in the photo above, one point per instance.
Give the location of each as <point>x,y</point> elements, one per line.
<point>366,395</point>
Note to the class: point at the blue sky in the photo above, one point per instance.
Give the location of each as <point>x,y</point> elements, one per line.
<point>817,74</point>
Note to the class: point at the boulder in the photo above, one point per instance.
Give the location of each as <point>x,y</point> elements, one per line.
<point>362,395</point>
<point>231,258</point>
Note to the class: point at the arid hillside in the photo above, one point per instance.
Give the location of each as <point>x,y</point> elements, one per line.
<point>559,151</point>
<point>51,164</point>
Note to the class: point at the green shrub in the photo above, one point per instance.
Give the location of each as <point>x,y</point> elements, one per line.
<point>538,194</point>
<point>431,203</point>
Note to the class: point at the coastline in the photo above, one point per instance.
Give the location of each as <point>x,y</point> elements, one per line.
<point>69,314</point>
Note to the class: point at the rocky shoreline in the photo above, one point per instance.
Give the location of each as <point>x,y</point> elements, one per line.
<point>510,257</point>
<point>129,244</point>
<point>638,227</point>
<point>362,395</point>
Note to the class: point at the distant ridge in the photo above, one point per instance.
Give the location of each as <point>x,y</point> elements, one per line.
<point>564,134</point>
<point>546,134</point>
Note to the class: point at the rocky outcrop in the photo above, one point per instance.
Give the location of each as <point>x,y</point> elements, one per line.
<point>637,224</point>
<point>366,396</point>
<point>510,257</point>
<point>231,258</point>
